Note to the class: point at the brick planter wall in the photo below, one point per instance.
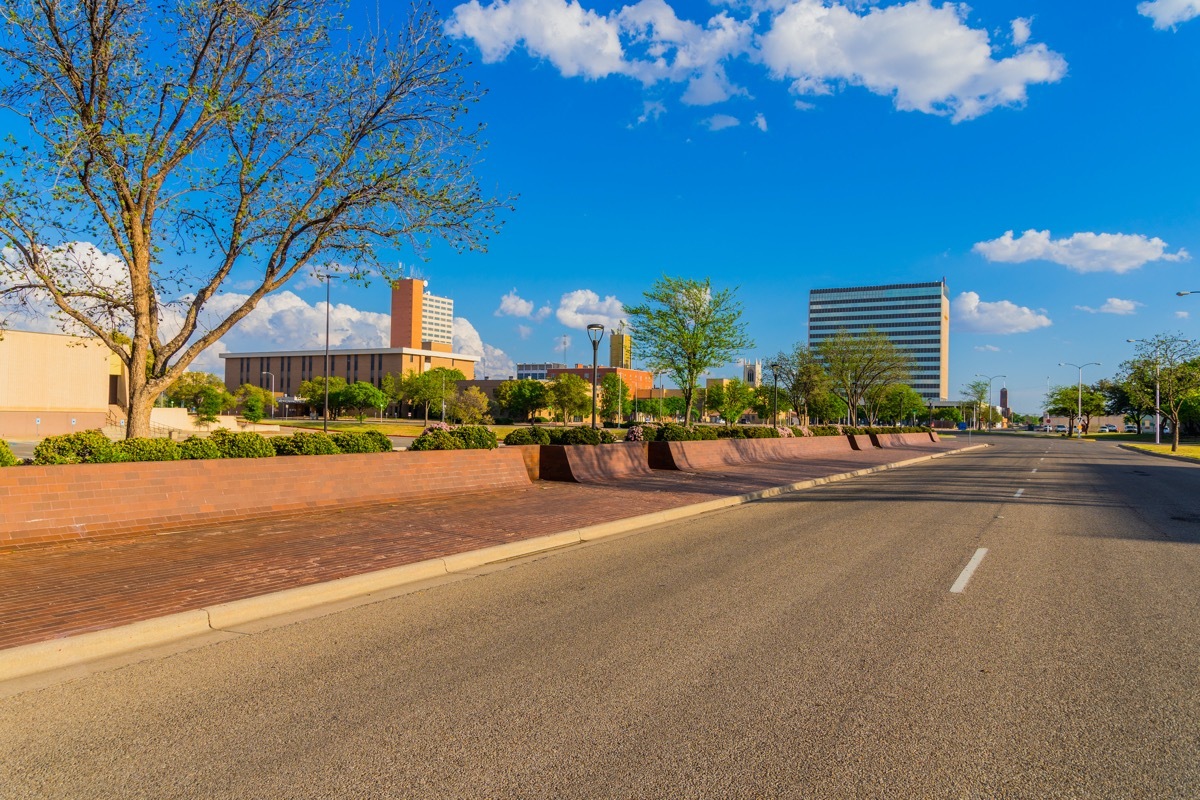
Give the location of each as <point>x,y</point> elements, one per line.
<point>861,441</point>
<point>586,463</point>
<point>693,456</point>
<point>901,439</point>
<point>58,503</point>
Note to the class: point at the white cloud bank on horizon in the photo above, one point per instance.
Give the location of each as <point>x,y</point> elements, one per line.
<point>816,47</point>
<point>1169,13</point>
<point>1114,305</point>
<point>493,362</point>
<point>582,307</point>
<point>1081,252</point>
<point>972,315</point>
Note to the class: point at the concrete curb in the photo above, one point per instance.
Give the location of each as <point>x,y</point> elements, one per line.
<point>1171,456</point>
<point>31,659</point>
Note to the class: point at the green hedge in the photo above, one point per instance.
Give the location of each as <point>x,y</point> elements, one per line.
<point>144,449</point>
<point>362,442</point>
<point>7,459</point>
<point>305,443</point>
<point>245,444</point>
<point>84,447</point>
<point>436,440</point>
<point>196,448</point>
<point>534,435</point>
<point>475,437</point>
<point>747,432</point>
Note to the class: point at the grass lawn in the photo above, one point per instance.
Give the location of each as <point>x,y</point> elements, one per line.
<point>1185,450</point>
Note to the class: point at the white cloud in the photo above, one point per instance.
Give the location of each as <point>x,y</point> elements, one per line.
<point>1181,315</point>
<point>760,122</point>
<point>1114,305</point>
<point>719,122</point>
<point>924,56</point>
<point>1081,252</point>
<point>1169,13</point>
<point>542,313</point>
<point>582,307</point>
<point>972,315</point>
<point>651,110</point>
<point>987,348</point>
<point>524,331</point>
<point>493,362</point>
<point>511,305</point>
<point>1021,31</point>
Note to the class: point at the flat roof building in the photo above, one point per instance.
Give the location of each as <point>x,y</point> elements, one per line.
<point>914,316</point>
<point>537,372</point>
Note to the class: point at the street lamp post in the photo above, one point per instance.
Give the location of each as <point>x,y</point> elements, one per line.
<point>1079,400</point>
<point>595,332</point>
<point>1157,408</point>
<point>272,376</point>
<point>989,380</point>
<point>775,394</point>
<point>325,417</point>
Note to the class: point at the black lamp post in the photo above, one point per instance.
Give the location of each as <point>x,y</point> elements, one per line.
<point>775,394</point>
<point>595,332</point>
<point>931,413</point>
<point>325,422</point>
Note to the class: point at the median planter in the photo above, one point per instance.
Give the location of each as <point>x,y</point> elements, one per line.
<point>40,504</point>
<point>590,463</point>
<point>900,439</point>
<point>861,441</point>
<point>722,453</point>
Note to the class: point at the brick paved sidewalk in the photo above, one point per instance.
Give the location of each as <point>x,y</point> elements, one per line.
<point>86,586</point>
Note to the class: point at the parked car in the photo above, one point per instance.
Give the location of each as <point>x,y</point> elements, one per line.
<point>1131,428</point>
<point>1047,428</point>
<point>1108,428</point>
<point>1060,428</point>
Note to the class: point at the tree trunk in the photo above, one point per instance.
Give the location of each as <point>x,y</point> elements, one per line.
<point>141,400</point>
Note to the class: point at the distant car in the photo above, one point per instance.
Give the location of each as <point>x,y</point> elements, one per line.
<point>1131,428</point>
<point>1108,428</point>
<point>1047,428</point>
<point>1060,428</point>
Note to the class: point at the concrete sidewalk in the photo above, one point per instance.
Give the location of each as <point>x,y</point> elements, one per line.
<point>51,596</point>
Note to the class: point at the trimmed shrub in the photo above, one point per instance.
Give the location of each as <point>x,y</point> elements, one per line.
<point>362,442</point>
<point>245,444</point>
<point>761,432</point>
<point>7,459</point>
<point>581,436</point>
<point>533,435</point>
<point>196,448</point>
<point>825,430</point>
<point>436,440</point>
<point>304,443</point>
<point>607,436</point>
<point>674,432</point>
<point>84,447</point>
<point>730,432</point>
<point>475,437</point>
<point>437,426</point>
<point>144,449</point>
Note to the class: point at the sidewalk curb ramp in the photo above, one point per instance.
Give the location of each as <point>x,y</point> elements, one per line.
<point>31,659</point>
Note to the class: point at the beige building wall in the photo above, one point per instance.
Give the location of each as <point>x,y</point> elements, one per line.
<point>370,365</point>
<point>54,378</point>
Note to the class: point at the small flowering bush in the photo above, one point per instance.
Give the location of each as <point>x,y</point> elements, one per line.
<point>785,433</point>
<point>635,434</point>
<point>437,426</point>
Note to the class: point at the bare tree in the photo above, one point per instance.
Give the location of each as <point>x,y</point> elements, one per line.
<point>199,140</point>
<point>859,362</point>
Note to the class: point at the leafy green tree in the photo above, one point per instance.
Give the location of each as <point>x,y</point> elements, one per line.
<point>685,329</point>
<point>802,377</point>
<point>431,388</point>
<point>1065,401</point>
<point>976,393</point>
<point>897,403</point>
<point>860,362</point>
<point>730,399</point>
<point>185,391</point>
<point>827,407</point>
<point>651,407</point>
<point>213,401</point>
<point>948,414</point>
<point>765,402</point>
<point>614,397</point>
<point>252,409</point>
<point>312,391</point>
<point>211,124</point>
<point>520,399</point>
<point>1118,401</point>
<point>470,406</point>
<point>569,395</point>
<point>1173,363</point>
<point>360,396</point>
<point>264,399</point>
<point>674,406</point>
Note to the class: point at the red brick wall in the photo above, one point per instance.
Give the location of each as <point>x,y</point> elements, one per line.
<point>583,463</point>
<point>726,452</point>
<point>58,503</point>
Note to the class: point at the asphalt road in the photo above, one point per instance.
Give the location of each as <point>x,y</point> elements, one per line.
<point>809,646</point>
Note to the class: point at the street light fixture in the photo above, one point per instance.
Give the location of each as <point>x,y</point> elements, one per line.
<point>1079,402</point>
<point>272,376</point>
<point>1183,294</point>
<point>989,380</point>
<point>775,394</point>
<point>327,277</point>
<point>595,332</point>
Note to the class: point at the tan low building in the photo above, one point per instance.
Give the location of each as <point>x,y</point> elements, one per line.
<point>53,383</point>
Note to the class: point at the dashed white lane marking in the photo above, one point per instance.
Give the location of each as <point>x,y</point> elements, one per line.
<point>968,571</point>
<point>1033,470</point>
<point>1019,493</point>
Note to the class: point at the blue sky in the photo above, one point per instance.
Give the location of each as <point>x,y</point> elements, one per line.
<point>783,146</point>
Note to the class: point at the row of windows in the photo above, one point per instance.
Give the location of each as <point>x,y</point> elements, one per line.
<point>896,338</point>
<point>829,308</point>
<point>864,289</point>
<point>927,318</point>
<point>921,327</point>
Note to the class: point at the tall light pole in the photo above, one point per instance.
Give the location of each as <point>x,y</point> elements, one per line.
<point>775,394</point>
<point>1079,401</point>
<point>272,376</point>
<point>325,417</point>
<point>989,380</point>
<point>595,332</point>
